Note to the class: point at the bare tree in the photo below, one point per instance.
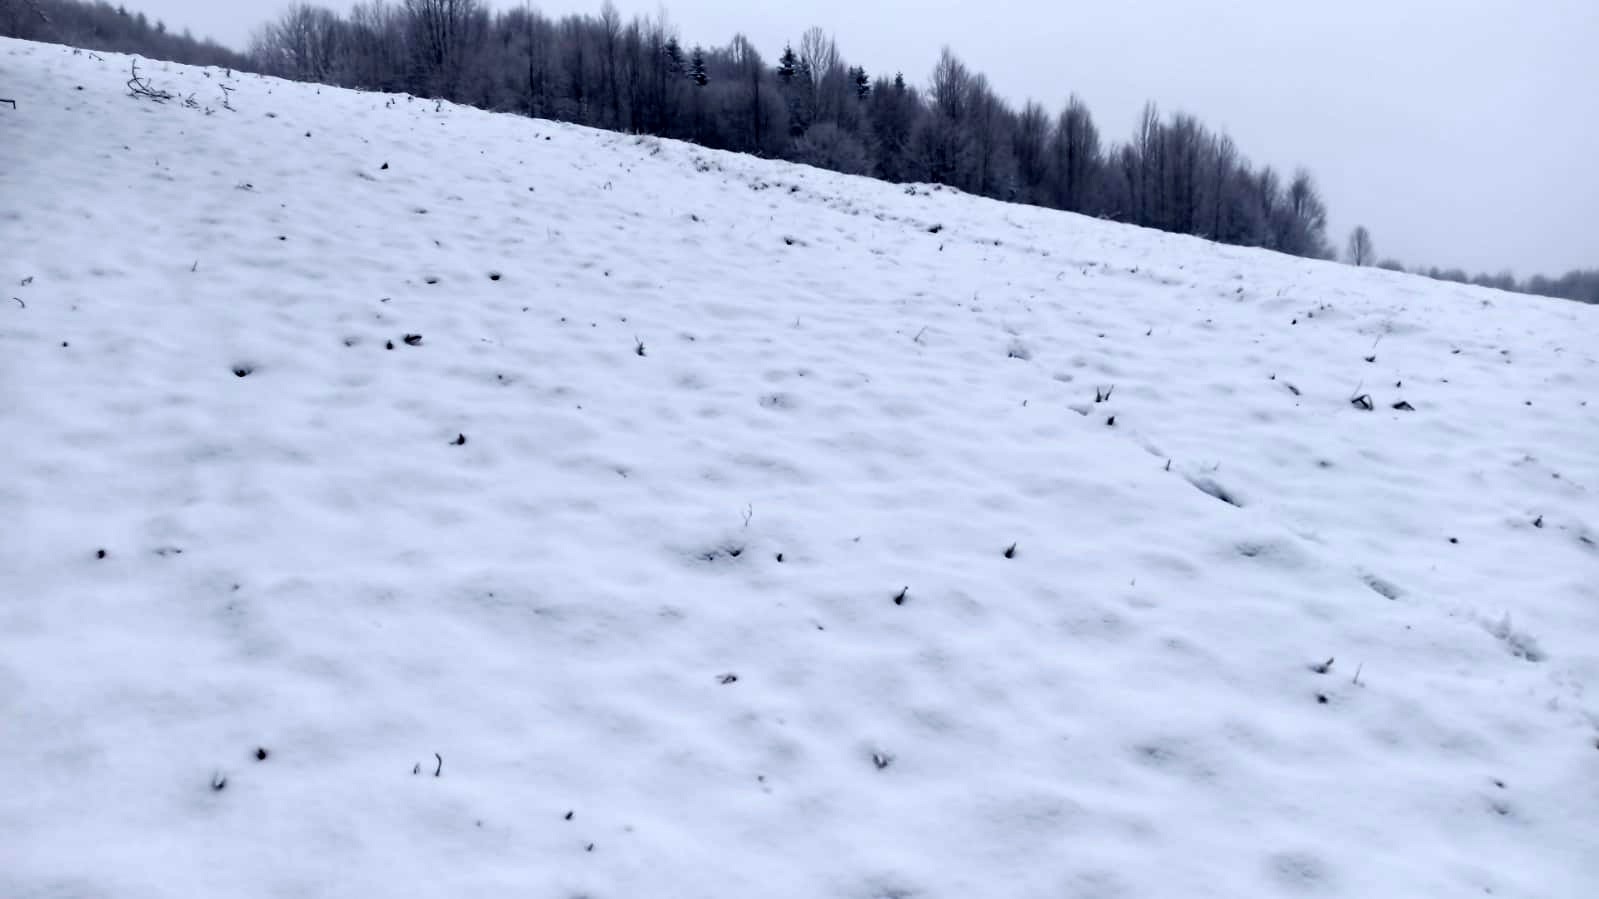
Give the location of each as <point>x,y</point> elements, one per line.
<point>1360,250</point>
<point>1182,148</point>
<point>753,100</point>
<point>829,80</point>
<point>1300,222</point>
<point>828,146</point>
<point>947,150</point>
<point>444,36</point>
<point>1030,141</point>
<point>305,43</point>
<point>1222,191</point>
<point>1149,156</point>
<point>1077,156</point>
<point>610,32</point>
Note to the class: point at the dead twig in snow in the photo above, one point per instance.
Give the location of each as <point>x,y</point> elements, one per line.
<point>140,87</point>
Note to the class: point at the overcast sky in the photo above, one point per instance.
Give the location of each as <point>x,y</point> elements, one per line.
<point>1461,132</point>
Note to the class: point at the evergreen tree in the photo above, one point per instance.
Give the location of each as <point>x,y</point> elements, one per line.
<point>674,56</point>
<point>787,65</point>
<point>696,68</point>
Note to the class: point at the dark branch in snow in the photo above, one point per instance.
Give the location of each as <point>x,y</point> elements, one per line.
<point>140,87</point>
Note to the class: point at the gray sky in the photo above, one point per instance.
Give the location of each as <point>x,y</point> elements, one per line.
<point>1461,132</point>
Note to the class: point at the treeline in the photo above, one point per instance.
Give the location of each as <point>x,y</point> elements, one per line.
<point>808,104</point>
<point>1578,284</point>
<point>101,26</point>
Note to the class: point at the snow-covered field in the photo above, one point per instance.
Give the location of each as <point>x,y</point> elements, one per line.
<point>788,552</point>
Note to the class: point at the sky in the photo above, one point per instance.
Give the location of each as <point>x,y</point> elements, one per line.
<point>1460,134</point>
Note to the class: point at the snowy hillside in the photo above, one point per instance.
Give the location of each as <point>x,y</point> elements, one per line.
<point>564,514</point>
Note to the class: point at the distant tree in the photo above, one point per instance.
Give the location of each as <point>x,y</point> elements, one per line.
<point>1300,223</point>
<point>305,43</point>
<point>1183,144</point>
<point>828,146</point>
<point>1505,280</point>
<point>696,68</point>
<point>1360,250</point>
<point>862,82</point>
<point>1226,215</point>
<point>1030,136</point>
<point>1145,178</point>
<point>896,114</point>
<point>992,128</point>
<point>946,148</point>
<point>1075,156</point>
<point>787,65</point>
<point>444,36</point>
<point>751,99</point>
<point>1393,265</point>
<point>609,28</point>
<point>823,71</point>
<point>100,26</point>
<point>794,83</point>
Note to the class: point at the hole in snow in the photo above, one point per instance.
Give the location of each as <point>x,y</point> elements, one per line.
<point>1208,486</point>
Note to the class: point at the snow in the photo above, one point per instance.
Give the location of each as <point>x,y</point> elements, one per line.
<point>692,362</point>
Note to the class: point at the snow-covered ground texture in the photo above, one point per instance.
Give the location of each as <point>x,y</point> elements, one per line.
<point>788,552</point>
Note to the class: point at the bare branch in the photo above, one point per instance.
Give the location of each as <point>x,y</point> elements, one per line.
<point>140,87</point>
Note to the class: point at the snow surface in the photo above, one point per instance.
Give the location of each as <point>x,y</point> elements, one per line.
<point>304,560</point>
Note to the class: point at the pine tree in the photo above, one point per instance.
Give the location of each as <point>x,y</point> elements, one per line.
<point>863,83</point>
<point>787,65</point>
<point>674,56</point>
<point>696,68</point>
